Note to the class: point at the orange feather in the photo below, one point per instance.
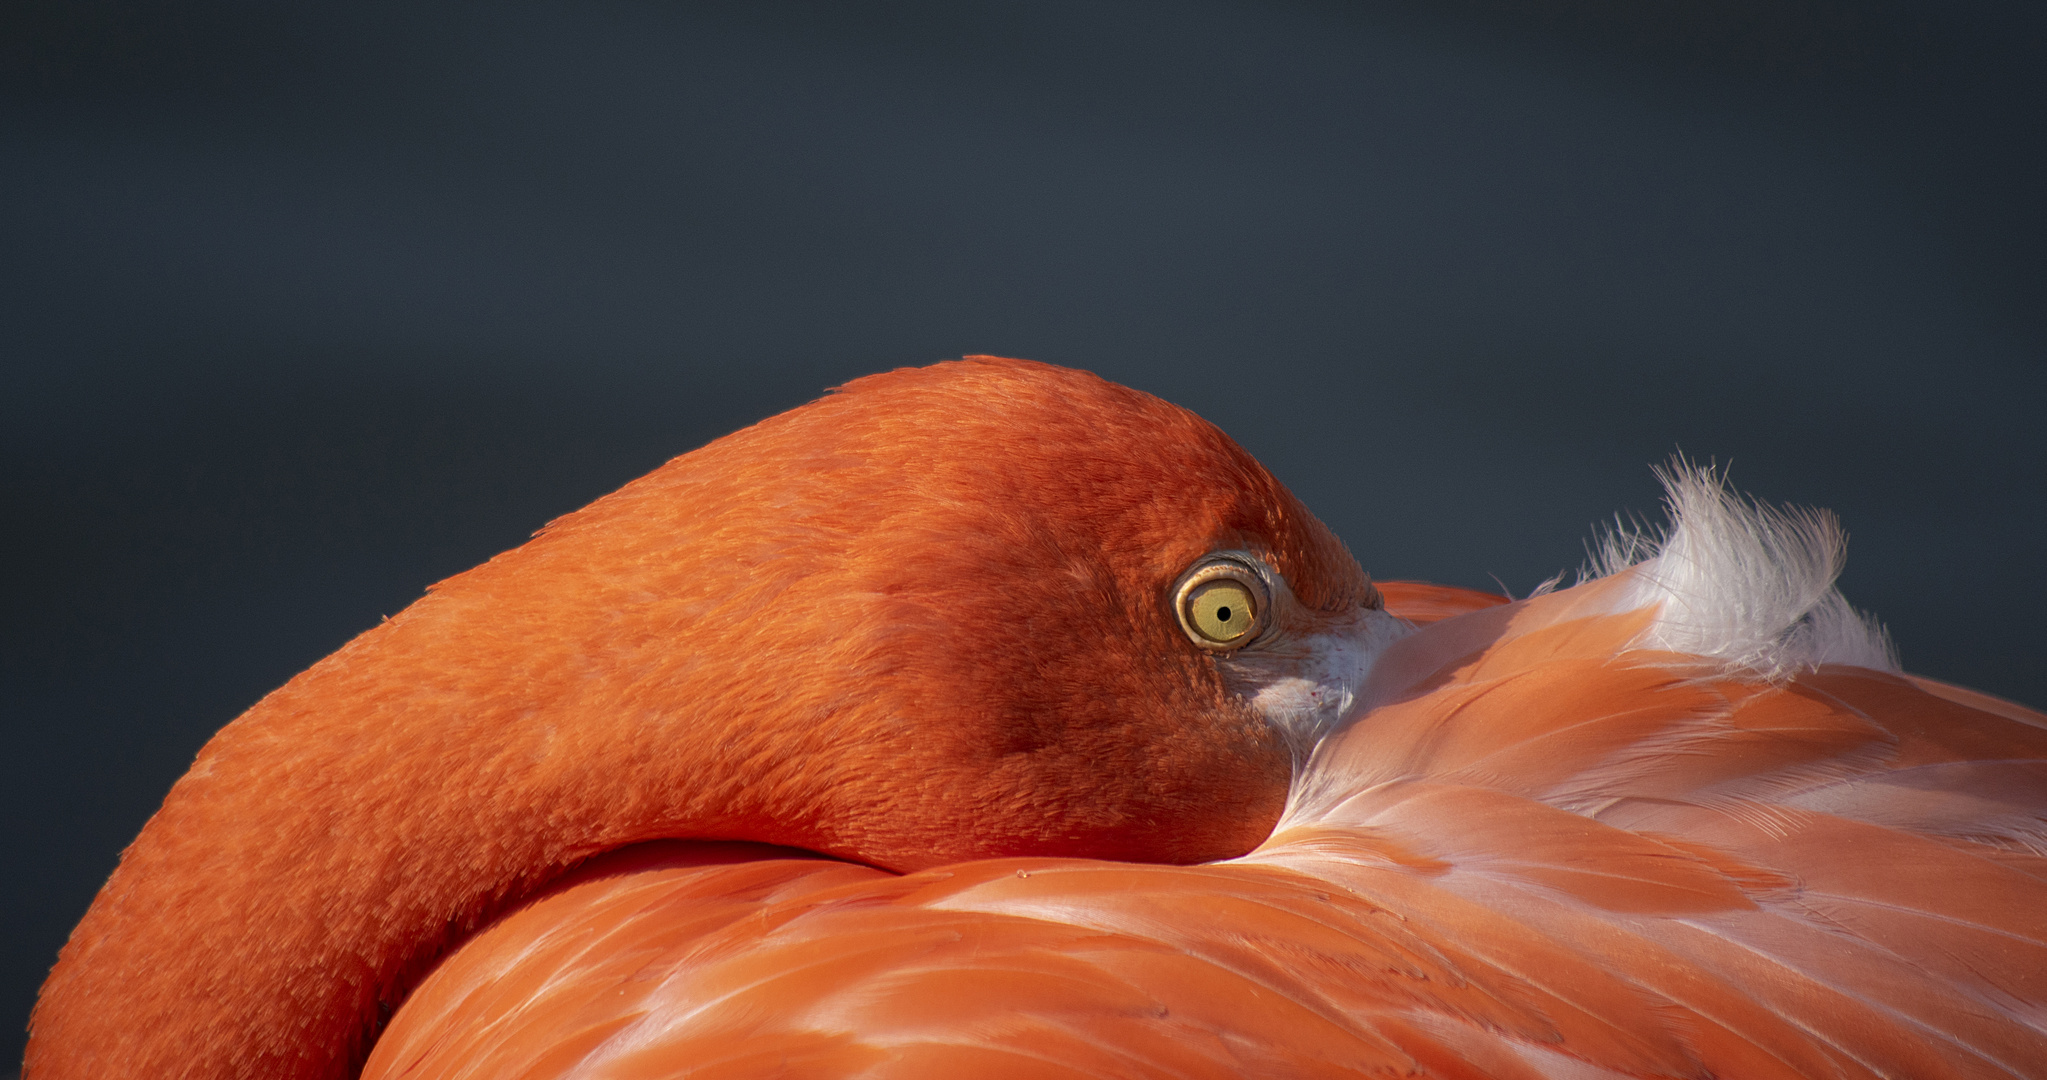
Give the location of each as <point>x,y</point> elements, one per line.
<point>942,671</point>
<point>1453,910</point>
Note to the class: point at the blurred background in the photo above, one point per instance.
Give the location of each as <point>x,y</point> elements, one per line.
<point>305,306</point>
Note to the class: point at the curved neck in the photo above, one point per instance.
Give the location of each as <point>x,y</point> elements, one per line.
<point>331,842</point>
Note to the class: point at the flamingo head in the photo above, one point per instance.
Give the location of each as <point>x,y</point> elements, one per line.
<point>985,608</point>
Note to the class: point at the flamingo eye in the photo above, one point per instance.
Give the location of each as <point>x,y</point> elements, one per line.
<point>1221,603</point>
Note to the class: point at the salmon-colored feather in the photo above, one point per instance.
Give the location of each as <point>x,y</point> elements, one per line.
<point>1541,843</point>
<point>1422,603</point>
<point>1461,903</point>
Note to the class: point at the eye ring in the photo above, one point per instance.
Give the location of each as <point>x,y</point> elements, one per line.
<point>1223,603</point>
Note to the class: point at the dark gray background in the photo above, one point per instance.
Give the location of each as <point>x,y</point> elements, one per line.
<point>304,307</point>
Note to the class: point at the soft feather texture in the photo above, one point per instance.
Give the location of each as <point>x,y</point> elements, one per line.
<point>1543,855</point>
<point>1740,581</point>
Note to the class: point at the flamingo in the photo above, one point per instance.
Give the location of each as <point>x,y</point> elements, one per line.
<point>993,719</point>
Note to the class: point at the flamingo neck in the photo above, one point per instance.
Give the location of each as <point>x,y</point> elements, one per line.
<point>328,845</point>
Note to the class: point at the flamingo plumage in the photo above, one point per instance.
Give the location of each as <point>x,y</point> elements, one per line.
<point>888,737</point>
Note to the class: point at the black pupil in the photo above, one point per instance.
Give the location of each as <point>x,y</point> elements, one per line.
<point>1222,614</point>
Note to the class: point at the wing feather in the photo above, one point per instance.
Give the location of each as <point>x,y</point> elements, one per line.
<point>1422,603</point>
<point>1542,852</point>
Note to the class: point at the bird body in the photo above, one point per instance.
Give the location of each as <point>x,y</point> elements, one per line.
<point>891,737</point>
<point>1552,856</point>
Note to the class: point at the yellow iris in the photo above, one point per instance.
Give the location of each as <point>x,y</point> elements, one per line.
<point>1221,611</point>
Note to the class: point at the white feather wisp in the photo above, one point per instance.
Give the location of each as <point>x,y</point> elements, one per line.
<point>1741,582</point>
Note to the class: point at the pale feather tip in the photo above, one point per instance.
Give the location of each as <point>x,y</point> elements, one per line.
<point>1739,581</point>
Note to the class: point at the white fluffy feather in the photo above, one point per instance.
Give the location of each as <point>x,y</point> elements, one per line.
<point>1745,583</point>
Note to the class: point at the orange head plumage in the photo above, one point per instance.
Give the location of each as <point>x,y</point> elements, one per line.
<point>939,615</point>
